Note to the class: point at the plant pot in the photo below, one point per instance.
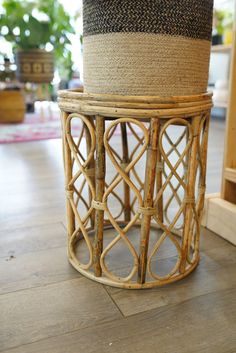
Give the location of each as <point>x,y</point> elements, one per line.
<point>36,65</point>
<point>12,107</point>
<point>30,108</point>
<point>152,47</point>
<point>217,39</point>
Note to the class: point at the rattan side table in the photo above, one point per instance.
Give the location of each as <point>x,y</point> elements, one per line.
<point>135,185</point>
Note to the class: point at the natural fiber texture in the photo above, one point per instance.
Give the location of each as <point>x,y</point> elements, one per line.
<point>188,18</point>
<point>35,65</point>
<point>145,64</point>
<point>151,47</point>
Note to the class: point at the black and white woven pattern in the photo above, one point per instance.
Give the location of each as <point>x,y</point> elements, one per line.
<point>188,18</point>
<point>147,47</point>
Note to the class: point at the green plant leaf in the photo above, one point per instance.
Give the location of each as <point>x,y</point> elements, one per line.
<point>58,27</point>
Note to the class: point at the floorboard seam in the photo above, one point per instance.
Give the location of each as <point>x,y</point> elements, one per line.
<point>36,225</point>
<point>102,323</point>
<point>114,302</point>
<point>167,306</point>
<point>64,226</point>
<point>33,252</point>
<point>62,334</point>
<point>42,286</point>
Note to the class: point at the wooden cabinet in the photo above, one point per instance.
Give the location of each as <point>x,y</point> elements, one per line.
<point>220,210</point>
<point>229,173</point>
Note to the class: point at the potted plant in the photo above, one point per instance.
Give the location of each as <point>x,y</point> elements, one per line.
<point>222,27</point>
<point>228,28</point>
<point>33,26</point>
<point>218,29</point>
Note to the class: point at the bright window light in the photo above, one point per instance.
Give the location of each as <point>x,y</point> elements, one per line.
<point>26,18</point>
<point>49,47</point>
<point>16,31</point>
<point>4,30</point>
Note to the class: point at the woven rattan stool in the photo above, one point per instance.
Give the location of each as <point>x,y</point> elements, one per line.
<point>135,184</point>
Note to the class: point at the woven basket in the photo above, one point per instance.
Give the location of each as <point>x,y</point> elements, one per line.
<point>151,47</point>
<point>35,65</point>
<point>12,107</point>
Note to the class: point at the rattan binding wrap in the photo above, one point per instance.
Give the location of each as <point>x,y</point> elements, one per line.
<point>154,47</point>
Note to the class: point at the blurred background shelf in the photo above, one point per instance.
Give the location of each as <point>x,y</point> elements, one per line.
<point>220,104</point>
<point>221,48</point>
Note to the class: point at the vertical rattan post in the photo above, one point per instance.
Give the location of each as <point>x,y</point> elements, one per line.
<point>160,167</point>
<point>186,159</point>
<point>147,210</point>
<point>203,151</point>
<point>68,166</point>
<point>100,170</point>
<point>125,161</point>
<point>190,191</point>
<point>91,166</point>
<point>202,181</point>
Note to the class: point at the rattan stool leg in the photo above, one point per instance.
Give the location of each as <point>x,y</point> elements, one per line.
<point>190,191</point>
<point>204,130</point>
<point>91,166</point>
<point>203,153</point>
<point>100,187</point>
<point>68,166</point>
<point>125,161</point>
<point>159,171</point>
<point>149,185</point>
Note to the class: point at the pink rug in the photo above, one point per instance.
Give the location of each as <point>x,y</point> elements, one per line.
<point>36,127</point>
<point>33,128</point>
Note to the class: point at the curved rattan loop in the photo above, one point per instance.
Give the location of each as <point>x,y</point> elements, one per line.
<point>195,226</point>
<point>173,172</point>
<point>82,170</point>
<point>122,175</point>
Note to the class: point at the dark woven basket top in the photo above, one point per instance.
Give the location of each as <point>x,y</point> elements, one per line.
<point>188,18</point>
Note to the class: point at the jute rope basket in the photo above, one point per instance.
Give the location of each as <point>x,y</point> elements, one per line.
<point>151,47</point>
<point>35,65</point>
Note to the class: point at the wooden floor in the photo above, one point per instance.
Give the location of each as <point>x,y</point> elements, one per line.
<point>47,307</point>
